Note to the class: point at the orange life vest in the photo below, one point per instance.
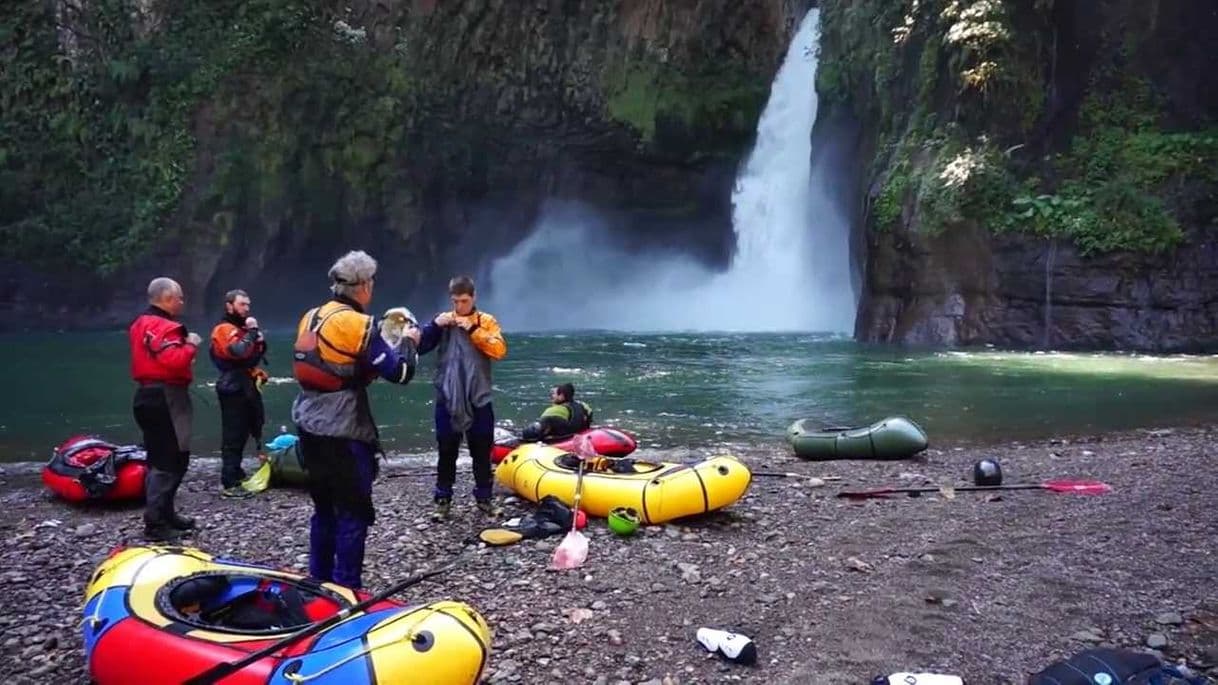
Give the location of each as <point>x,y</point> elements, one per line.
<point>330,342</point>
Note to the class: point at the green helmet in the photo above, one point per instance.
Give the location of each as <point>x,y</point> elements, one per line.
<point>624,521</point>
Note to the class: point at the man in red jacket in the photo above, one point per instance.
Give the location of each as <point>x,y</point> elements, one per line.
<point>162,360</point>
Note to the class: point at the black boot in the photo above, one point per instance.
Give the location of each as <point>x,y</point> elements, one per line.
<point>180,522</point>
<point>162,534</point>
<point>159,487</point>
<point>176,520</point>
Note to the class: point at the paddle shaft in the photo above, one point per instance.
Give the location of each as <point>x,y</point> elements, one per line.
<point>222,670</point>
<point>1052,486</point>
<point>579,490</point>
<point>410,474</point>
<point>791,474</point>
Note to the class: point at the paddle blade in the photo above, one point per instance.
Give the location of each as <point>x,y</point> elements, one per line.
<point>571,553</point>
<point>1078,487</point>
<point>498,537</point>
<point>584,448</point>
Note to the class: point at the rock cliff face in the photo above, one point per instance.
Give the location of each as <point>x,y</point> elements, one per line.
<point>972,288</point>
<point>426,132</point>
<point>1037,174</point>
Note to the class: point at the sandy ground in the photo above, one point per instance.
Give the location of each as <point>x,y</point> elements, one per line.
<point>988,587</point>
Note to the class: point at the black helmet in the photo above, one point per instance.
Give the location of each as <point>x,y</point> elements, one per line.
<point>987,472</point>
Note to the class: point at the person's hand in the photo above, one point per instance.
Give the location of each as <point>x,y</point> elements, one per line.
<point>467,322</point>
<point>193,338</point>
<point>445,320</point>
<point>251,322</point>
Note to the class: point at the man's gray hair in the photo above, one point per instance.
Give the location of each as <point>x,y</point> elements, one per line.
<point>162,287</point>
<point>232,295</point>
<point>350,271</point>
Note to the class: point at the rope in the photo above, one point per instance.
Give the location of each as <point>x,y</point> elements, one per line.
<point>96,617</point>
<point>300,678</point>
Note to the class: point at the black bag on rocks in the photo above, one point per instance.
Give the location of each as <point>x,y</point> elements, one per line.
<point>1112,667</point>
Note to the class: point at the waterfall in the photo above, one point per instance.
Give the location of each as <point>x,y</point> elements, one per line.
<point>790,270</point>
<point>771,202</point>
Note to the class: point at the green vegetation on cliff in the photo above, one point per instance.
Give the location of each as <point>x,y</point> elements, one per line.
<point>958,92</point>
<point>717,98</point>
<point>103,111</point>
<point>323,135</point>
<point>96,144</point>
<point>181,127</point>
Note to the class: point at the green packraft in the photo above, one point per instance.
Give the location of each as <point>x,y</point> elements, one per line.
<point>895,437</point>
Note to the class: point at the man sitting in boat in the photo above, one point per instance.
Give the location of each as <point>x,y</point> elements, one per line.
<point>565,416</point>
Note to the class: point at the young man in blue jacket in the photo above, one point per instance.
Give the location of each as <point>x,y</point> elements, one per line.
<point>468,341</point>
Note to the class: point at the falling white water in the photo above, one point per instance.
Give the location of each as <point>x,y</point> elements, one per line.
<point>790,270</point>
<point>770,201</point>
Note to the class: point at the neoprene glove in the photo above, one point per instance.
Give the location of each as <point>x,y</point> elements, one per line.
<point>409,351</point>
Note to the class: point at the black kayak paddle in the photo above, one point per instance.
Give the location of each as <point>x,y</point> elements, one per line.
<point>1077,487</point>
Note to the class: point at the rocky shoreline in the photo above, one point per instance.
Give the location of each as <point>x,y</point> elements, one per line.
<point>986,586</point>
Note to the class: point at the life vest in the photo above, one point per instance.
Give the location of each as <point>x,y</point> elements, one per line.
<point>225,334</point>
<point>330,341</point>
<point>566,419</point>
<point>159,351</point>
<point>580,418</point>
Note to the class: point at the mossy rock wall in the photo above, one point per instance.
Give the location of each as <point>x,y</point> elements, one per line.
<point>1031,166</point>
<point>250,140</point>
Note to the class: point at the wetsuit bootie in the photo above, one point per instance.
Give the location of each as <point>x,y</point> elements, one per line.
<point>904,678</point>
<point>731,646</point>
<point>488,507</point>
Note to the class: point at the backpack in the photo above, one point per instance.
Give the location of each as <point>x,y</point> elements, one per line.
<point>1112,667</point>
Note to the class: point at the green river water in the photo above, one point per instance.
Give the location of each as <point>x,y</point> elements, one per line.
<point>695,391</point>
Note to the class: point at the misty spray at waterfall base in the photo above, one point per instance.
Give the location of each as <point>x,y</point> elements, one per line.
<point>790,270</point>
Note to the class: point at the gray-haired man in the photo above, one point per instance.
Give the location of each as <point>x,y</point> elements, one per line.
<point>339,351</point>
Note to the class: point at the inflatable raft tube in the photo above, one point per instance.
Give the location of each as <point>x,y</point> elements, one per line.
<point>895,437</point>
<point>609,442</point>
<point>659,491</point>
<point>165,614</point>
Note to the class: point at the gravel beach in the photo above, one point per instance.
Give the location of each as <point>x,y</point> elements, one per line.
<point>988,586</point>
